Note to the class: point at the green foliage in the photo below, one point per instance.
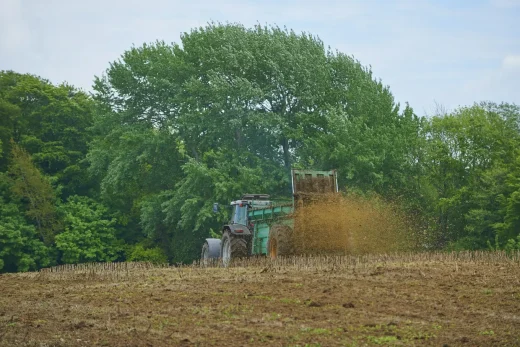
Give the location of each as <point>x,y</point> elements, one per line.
<point>51,123</point>
<point>230,112</point>
<point>153,255</point>
<point>43,143</point>
<point>372,155</point>
<point>89,233</point>
<point>134,170</point>
<point>35,191</point>
<point>472,165</point>
<point>512,244</point>
<point>20,247</point>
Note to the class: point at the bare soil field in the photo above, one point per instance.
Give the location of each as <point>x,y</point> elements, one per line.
<point>465,299</point>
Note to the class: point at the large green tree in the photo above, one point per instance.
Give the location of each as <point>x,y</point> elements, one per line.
<point>132,172</point>
<point>51,123</point>
<point>20,247</point>
<point>229,111</point>
<point>35,192</point>
<point>43,144</point>
<point>471,165</point>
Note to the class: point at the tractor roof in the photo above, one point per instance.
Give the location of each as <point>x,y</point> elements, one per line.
<point>255,197</point>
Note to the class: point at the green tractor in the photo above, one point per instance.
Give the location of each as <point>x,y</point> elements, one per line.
<point>260,226</point>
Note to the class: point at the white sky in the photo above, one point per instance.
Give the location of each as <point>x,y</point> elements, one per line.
<point>450,52</point>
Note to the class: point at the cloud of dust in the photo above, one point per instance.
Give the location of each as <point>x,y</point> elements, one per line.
<point>351,224</point>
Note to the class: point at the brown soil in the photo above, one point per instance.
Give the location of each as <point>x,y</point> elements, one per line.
<point>470,299</point>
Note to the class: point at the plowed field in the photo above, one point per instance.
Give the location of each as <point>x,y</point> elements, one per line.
<point>469,299</point>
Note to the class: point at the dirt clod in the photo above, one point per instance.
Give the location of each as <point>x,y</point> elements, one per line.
<point>314,304</point>
<point>464,339</point>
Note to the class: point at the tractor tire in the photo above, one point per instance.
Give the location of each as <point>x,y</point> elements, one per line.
<point>232,247</point>
<point>280,241</point>
<point>210,252</point>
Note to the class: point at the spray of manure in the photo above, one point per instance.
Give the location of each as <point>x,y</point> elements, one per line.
<point>351,224</point>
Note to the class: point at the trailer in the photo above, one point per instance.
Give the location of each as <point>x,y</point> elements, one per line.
<point>260,226</point>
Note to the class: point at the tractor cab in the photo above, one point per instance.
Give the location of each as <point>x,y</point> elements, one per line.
<point>248,201</point>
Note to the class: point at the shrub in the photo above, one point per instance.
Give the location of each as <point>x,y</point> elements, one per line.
<point>153,255</point>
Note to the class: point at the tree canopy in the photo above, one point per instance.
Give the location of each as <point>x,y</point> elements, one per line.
<point>131,171</point>
<point>234,109</point>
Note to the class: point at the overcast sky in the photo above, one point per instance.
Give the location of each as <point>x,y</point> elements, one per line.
<point>447,52</point>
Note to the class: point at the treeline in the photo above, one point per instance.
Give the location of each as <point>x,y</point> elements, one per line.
<point>131,171</point>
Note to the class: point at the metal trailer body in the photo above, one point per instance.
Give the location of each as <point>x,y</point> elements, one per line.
<point>263,219</point>
<point>304,183</point>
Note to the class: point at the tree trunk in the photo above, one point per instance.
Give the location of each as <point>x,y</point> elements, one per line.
<point>286,153</point>
<point>195,154</point>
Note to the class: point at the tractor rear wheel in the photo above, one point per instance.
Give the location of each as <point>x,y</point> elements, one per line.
<point>280,241</point>
<point>232,247</point>
<point>210,252</point>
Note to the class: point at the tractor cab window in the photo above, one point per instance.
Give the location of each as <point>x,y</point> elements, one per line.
<point>240,214</point>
